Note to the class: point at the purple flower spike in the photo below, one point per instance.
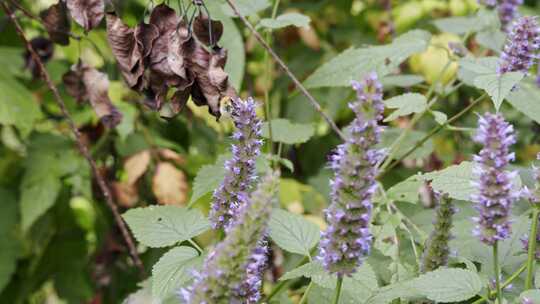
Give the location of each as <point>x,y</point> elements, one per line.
<point>348,239</point>
<point>495,195</point>
<point>508,11</point>
<point>521,49</point>
<point>232,271</point>
<point>240,169</point>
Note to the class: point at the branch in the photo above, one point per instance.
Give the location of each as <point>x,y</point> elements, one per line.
<point>286,69</point>
<point>80,144</point>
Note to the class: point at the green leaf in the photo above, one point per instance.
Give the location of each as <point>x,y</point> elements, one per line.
<point>533,295</point>
<point>208,178</point>
<point>292,232</point>
<point>407,190</point>
<point>492,39</point>
<point>353,64</point>
<point>483,20</point>
<point>17,105</point>
<point>37,198</point>
<point>498,86</point>
<point>440,117</point>
<point>161,226</point>
<point>391,134</point>
<point>405,104</point>
<point>246,7</point>
<point>402,81</point>
<point>449,285</point>
<point>288,19</point>
<point>287,132</point>
<point>361,285</point>
<point>525,99</point>
<point>537,277</point>
<point>173,271</point>
<point>470,68</point>
<point>8,243</point>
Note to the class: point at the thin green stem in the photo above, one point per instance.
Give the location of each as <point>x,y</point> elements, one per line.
<point>339,283</point>
<point>434,131</point>
<point>497,271</point>
<point>284,283</point>
<point>305,295</point>
<point>531,254</point>
<point>194,244</point>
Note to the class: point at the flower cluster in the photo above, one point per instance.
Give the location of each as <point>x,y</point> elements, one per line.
<point>223,276</point>
<point>521,50</point>
<point>251,287</point>
<point>508,11</point>
<point>348,239</point>
<point>240,169</point>
<point>436,250</point>
<point>495,196</point>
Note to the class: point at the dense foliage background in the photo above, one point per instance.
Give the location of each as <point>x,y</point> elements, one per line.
<point>59,242</point>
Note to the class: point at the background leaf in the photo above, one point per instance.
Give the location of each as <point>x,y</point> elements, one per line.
<point>292,232</point>
<point>405,104</point>
<point>173,270</point>
<point>285,20</point>
<point>287,132</point>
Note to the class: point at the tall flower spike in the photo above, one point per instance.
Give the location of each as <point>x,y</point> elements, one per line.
<point>240,169</point>
<point>495,195</point>
<point>508,11</point>
<point>437,250</point>
<point>521,49</point>
<point>222,278</point>
<point>348,239</point>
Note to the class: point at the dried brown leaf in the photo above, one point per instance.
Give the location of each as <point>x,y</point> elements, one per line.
<point>44,48</point>
<point>202,26</point>
<point>87,13</point>
<point>168,154</point>
<point>73,82</point>
<point>126,51</point>
<point>169,185</point>
<point>97,89</point>
<point>56,22</point>
<point>126,195</point>
<point>166,20</point>
<point>136,165</point>
<point>181,44</point>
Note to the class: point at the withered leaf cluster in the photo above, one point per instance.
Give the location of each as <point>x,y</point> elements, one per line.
<point>87,13</point>
<point>168,61</point>
<point>44,48</point>
<point>85,83</point>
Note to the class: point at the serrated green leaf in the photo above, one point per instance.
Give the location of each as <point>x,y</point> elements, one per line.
<point>405,104</point>
<point>498,86</point>
<point>246,7</point>
<point>17,105</point>
<point>353,64</point>
<point>470,68</point>
<point>292,232</point>
<point>37,198</point>
<point>483,20</point>
<point>525,99</point>
<point>287,132</point>
<point>491,39</point>
<point>287,19</point>
<point>448,285</point>
<point>173,271</point>
<point>208,178</point>
<point>161,226</point>
<point>407,190</point>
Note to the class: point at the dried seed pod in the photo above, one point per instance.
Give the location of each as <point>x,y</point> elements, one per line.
<point>208,31</point>
<point>87,13</point>
<point>56,22</point>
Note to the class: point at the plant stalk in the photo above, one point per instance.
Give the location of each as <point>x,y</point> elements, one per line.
<point>497,271</point>
<point>339,284</point>
<point>531,252</point>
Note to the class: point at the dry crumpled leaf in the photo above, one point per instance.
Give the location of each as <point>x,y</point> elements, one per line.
<point>136,165</point>
<point>56,22</point>
<point>169,185</point>
<point>87,13</point>
<point>126,195</point>
<point>44,48</point>
<point>201,28</point>
<point>171,155</point>
<point>94,88</point>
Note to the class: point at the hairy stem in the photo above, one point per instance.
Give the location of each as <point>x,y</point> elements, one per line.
<point>337,295</point>
<point>497,271</point>
<point>434,131</point>
<point>286,69</point>
<point>80,144</point>
<point>531,252</point>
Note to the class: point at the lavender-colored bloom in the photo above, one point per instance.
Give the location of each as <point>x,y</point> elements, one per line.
<point>223,276</point>
<point>436,251</point>
<point>521,49</point>
<point>251,287</point>
<point>348,239</point>
<point>240,169</point>
<point>526,300</point>
<point>495,195</point>
<point>508,11</point>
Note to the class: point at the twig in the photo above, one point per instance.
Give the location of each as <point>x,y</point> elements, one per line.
<point>286,69</point>
<point>80,144</point>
